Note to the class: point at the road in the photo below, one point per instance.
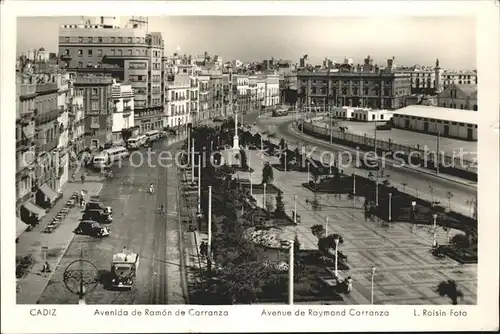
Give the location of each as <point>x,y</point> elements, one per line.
<point>138,226</point>
<point>417,183</point>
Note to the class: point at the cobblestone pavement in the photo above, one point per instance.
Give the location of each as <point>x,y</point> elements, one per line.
<point>406,271</point>
<point>138,226</point>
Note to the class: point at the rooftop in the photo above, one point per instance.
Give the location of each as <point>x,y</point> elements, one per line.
<point>439,113</point>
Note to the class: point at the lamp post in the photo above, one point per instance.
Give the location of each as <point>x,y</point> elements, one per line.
<point>373,279</point>
<point>434,241</point>
<point>251,185</point>
<point>192,161</point>
<point>390,206</point>
<point>326,226</point>
<point>199,184</point>
<point>290,273</point>
<point>354,181</point>
<point>209,250</point>
<point>264,196</point>
<point>295,209</point>
<point>336,256</point>
<point>308,176</point>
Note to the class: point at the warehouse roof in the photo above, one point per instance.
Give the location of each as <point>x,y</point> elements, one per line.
<point>439,113</point>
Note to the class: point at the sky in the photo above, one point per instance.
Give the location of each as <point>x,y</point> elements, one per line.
<point>411,40</point>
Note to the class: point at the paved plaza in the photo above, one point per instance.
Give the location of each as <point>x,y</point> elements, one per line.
<point>406,271</point>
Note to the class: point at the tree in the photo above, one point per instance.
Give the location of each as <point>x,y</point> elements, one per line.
<point>318,230</point>
<point>328,242</point>
<point>267,174</point>
<point>280,205</point>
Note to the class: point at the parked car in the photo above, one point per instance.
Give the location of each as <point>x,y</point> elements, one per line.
<point>97,216</point>
<point>97,205</point>
<point>92,228</point>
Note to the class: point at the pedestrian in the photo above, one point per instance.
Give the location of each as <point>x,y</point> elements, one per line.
<point>83,178</point>
<point>349,284</point>
<point>73,177</point>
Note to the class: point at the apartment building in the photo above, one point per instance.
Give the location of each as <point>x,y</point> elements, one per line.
<point>205,97</point>
<point>459,78</point>
<point>252,92</point>
<point>76,128</point>
<point>98,106</point>
<point>129,54</point>
<point>25,148</point>
<point>181,101</point>
<point>123,111</point>
<point>63,102</point>
<point>364,86</point>
<point>48,130</point>
<point>241,92</point>
<point>217,92</point>
<point>272,93</point>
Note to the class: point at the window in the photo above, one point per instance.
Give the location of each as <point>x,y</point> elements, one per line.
<point>80,64</point>
<point>382,116</point>
<point>66,39</point>
<point>461,106</point>
<point>66,52</point>
<point>373,117</point>
<point>80,52</point>
<point>89,39</point>
<point>89,52</point>
<point>137,40</point>
<point>475,107</point>
<point>80,39</point>
<point>99,39</point>
<point>95,119</point>
<point>137,52</point>
<point>112,52</point>
<point>112,39</point>
<point>129,40</point>
<point>94,91</point>
<point>99,52</point>
<point>118,40</point>
<point>120,52</point>
<point>129,51</point>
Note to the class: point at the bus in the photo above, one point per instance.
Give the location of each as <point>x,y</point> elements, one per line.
<point>116,153</point>
<point>100,161</point>
<point>136,142</point>
<point>153,135</point>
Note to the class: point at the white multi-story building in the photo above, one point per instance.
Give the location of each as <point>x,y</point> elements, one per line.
<point>272,97</point>
<point>261,90</point>
<point>63,100</point>
<point>178,100</point>
<point>123,111</point>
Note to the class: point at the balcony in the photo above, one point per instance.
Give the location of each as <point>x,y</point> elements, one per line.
<point>66,57</point>
<point>46,88</point>
<point>93,80</point>
<point>42,118</point>
<point>27,91</point>
<point>95,126</point>
<point>47,147</point>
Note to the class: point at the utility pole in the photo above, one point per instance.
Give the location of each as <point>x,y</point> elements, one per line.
<point>378,167</point>
<point>290,273</point>
<point>199,184</point>
<point>437,154</point>
<point>209,250</point>
<point>192,162</point>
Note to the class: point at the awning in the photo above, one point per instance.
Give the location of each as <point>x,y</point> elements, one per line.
<point>20,227</point>
<point>47,191</point>
<point>36,210</point>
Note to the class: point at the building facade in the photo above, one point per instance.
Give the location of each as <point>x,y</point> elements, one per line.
<point>272,93</point>
<point>459,77</point>
<point>129,54</point>
<point>205,97</point>
<point>361,114</point>
<point>76,128</point>
<point>367,87</point>
<point>97,105</point>
<point>123,111</point>
<point>446,122</point>
<point>63,103</point>
<point>25,143</point>
<point>459,96</point>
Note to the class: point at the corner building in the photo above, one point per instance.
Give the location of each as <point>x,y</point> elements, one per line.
<point>129,54</point>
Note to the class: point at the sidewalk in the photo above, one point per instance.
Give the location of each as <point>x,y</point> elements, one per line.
<point>33,284</point>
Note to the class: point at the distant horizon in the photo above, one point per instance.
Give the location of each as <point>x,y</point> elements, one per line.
<point>409,39</point>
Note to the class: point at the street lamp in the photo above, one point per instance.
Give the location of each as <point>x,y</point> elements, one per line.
<point>373,278</point>
<point>390,206</point>
<point>336,256</point>
<point>199,184</point>
<point>354,180</point>
<point>308,176</point>
<point>434,241</point>
<point>264,197</point>
<point>209,246</point>
<point>192,161</point>
<point>295,209</point>
<point>290,273</point>
<point>251,185</point>
<point>326,226</point>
